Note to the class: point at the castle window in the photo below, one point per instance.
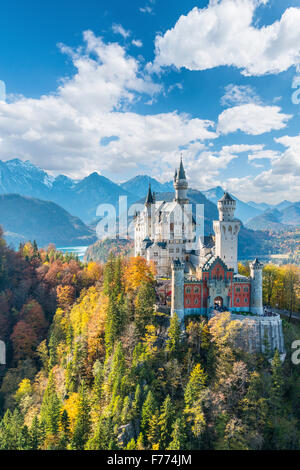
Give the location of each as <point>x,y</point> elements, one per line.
<point>237,289</point>
<point>171,250</point>
<point>237,301</point>
<point>196,290</point>
<point>177,250</point>
<point>188,290</point>
<point>246,300</point>
<point>187,301</point>
<point>246,289</point>
<point>155,254</point>
<point>196,301</point>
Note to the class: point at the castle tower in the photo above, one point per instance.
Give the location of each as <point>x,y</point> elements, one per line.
<point>256,303</point>
<point>227,230</point>
<point>148,204</point>
<point>180,185</point>
<point>177,303</point>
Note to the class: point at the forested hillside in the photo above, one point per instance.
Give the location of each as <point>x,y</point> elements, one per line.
<point>25,218</point>
<point>91,365</point>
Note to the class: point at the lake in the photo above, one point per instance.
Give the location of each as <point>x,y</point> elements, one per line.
<point>77,250</point>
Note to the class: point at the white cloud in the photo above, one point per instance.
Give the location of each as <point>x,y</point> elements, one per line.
<point>137,43</point>
<point>146,9</point>
<point>118,29</point>
<point>223,34</point>
<point>289,162</point>
<point>241,148</point>
<point>266,187</point>
<point>239,94</point>
<point>204,167</point>
<point>264,154</point>
<point>281,181</point>
<point>63,131</point>
<point>252,119</point>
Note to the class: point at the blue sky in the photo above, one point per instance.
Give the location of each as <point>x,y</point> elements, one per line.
<point>124,88</point>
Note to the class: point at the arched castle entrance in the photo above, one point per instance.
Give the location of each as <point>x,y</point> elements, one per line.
<point>218,302</point>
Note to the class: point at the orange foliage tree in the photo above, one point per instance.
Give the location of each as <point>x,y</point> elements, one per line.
<point>24,340</point>
<point>138,271</point>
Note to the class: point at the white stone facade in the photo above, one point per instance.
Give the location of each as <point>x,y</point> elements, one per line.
<point>165,231</point>
<point>227,231</point>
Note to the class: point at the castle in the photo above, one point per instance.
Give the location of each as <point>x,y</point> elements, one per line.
<point>204,272</point>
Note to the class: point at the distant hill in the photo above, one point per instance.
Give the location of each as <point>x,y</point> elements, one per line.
<point>138,185</point>
<point>283,205</point>
<point>277,220</point>
<point>244,211</point>
<point>23,218</point>
<point>261,206</point>
<point>101,249</point>
<point>264,206</point>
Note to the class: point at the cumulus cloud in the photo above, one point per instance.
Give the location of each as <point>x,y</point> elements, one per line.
<point>289,162</point>
<point>137,43</point>
<point>239,94</point>
<point>281,181</point>
<point>265,187</point>
<point>224,34</point>
<point>252,119</point>
<point>118,29</point>
<point>204,168</point>
<point>71,130</point>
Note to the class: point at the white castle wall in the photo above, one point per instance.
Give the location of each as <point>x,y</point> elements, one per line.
<point>177,300</point>
<point>227,242</point>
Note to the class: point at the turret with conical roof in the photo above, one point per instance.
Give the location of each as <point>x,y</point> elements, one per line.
<point>180,184</point>
<point>226,230</point>
<point>226,206</point>
<point>149,198</point>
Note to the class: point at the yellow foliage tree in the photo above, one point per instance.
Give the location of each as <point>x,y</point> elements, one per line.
<point>137,272</point>
<point>71,407</point>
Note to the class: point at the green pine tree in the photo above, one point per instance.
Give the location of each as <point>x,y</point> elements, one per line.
<point>174,333</point>
<point>50,409</point>
<point>166,419</point>
<point>82,422</point>
<point>148,410</point>
<point>144,306</point>
<point>178,435</point>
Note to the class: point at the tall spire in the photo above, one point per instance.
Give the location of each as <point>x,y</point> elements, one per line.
<point>180,184</point>
<point>149,198</point>
<point>181,172</point>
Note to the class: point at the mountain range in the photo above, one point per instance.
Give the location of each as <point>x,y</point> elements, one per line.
<point>139,185</point>
<point>81,199</point>
<point>278,220</point>
<point>24,218</point>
